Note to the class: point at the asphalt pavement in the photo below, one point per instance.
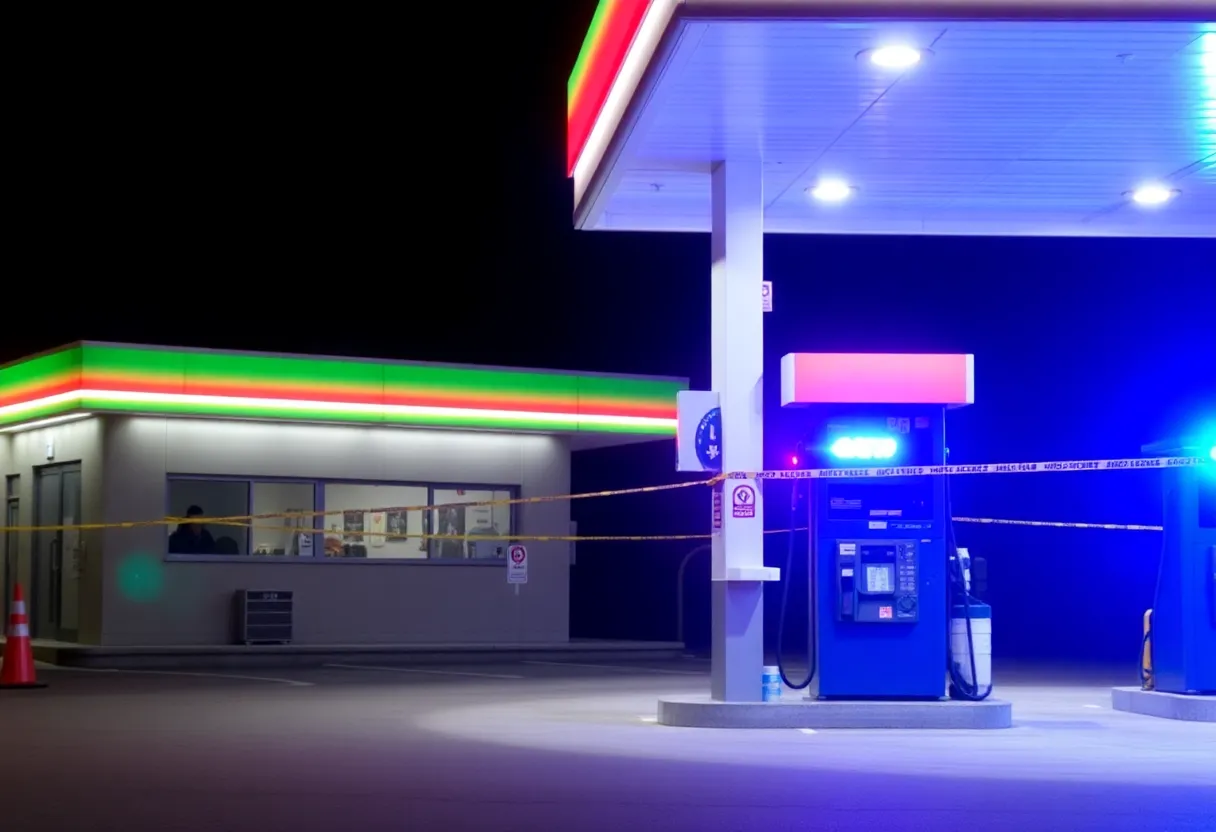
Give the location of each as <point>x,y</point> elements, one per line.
<point>564,746</point>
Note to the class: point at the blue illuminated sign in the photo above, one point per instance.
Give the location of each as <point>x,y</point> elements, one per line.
<point>709,440</point>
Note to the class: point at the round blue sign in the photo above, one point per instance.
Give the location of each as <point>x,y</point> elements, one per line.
<point>709,440</point>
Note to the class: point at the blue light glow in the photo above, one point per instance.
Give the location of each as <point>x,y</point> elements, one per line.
<point>1212,453</point>
<point>864,447</point>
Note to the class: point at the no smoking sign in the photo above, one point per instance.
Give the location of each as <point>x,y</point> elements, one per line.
<point>517,564</point>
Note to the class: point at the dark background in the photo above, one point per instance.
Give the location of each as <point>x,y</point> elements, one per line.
<point>355,187</point>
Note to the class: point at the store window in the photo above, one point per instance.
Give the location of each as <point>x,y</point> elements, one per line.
<point>209,500</point>
<point>373,521</point>
<point>462,530</point>
<point>367,521</point>
<point>285,528</point>
<point>284,519</point>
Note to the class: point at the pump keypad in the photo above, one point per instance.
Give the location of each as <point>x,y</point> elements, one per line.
<point>878,581</point>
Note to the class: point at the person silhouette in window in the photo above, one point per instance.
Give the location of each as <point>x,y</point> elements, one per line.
<point>191,538</point>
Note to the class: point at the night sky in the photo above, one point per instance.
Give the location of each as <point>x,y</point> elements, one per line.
<point>335,187</point>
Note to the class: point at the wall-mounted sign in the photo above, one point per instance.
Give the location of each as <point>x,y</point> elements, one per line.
<point>698,431</point>
<point>517,564</point>
<point>743,501</point>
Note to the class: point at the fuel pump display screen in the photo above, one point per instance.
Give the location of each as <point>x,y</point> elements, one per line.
<point>880,580</point>
<point>904,501</point>
<point>877,569</point>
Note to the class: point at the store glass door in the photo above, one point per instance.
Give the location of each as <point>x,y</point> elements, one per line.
<point>12,519</point>
<point>57,553</point>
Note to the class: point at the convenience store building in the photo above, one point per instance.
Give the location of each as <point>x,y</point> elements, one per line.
<point>344,464</point>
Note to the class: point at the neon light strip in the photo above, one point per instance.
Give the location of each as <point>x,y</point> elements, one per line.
<point>612,30</point>
<point>624,84</point>
<point>317,409</point>
<point>587,55</point>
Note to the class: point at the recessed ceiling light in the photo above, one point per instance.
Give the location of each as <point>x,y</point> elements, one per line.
<point>831,190</point>
<point>898,56</point>
<point>1152,194</point>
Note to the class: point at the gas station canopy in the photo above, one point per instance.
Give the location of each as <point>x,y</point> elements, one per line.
<point>1078,118</point>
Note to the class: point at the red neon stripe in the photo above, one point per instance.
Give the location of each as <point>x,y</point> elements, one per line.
<point>616,407</point>
<point>40,391</point>
<point>604,66</point>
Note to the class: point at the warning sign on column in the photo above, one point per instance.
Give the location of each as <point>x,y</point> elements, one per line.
<point>717,508</point>
<point>743,501</point>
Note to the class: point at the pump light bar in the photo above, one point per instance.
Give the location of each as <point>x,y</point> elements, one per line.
<point>864,447</point>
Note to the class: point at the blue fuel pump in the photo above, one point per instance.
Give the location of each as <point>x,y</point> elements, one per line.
<point>1182,632</point>
<point>887,581</point>
<point>879,568</point>
<point>891,612</point>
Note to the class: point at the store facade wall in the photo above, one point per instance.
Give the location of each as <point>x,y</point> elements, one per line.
<point>53,477</point>
<point>353,587</point>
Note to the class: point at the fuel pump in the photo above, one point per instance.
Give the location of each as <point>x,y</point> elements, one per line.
<point>1178,654</point>
<point>890,590</point>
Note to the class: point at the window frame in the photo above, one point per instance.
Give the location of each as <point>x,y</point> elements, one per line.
<point>318,548</point>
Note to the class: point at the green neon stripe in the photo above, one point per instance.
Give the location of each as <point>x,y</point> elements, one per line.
<point>329,379</point>
<point>628,390</point>
<point>253,370</point>
<point>339,381</point>
<point>590,43</point>
<point>437,380</point>
<point>40,370</point>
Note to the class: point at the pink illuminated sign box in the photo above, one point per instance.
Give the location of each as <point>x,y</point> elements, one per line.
<point>877,378</point>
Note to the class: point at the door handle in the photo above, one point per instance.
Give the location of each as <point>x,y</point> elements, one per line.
<point>56,555</point>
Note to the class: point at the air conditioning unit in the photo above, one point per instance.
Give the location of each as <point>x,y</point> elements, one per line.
<point>264,616</point>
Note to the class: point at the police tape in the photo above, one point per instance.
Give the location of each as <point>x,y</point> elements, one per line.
<point>1139,463</point>
<point>505,501</point>
<point>366,535</point>
<point>246,519</point>
<point>347,535</point>
<point>1050,524</point>
<point>1149,463</point>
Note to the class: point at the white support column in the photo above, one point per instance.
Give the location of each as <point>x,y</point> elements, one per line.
<point>738,363</point>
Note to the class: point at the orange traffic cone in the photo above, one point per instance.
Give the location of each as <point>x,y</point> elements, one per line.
<point>17,671</point>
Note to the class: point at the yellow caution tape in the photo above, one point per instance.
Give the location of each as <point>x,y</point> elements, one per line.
<point>1140,463</point>
<point>617,492</point>
<point>246,519</point>
<point>249,520</point>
